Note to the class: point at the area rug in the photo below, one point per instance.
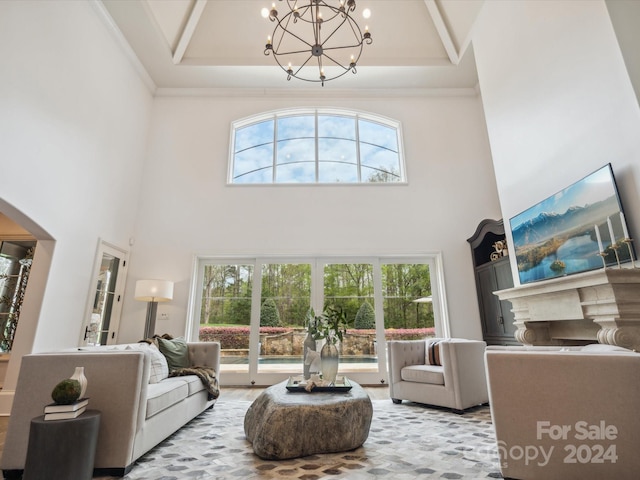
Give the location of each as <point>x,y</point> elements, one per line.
<point>407,441</point>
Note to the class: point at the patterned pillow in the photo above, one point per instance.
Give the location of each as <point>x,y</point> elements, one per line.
<point>432,352</point>
<point>158,367</point>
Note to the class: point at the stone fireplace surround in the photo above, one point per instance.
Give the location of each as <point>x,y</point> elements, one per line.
<point>597,306</point>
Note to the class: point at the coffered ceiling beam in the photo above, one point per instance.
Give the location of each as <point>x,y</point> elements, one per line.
<point>189,29</point>
<point>443,31</point>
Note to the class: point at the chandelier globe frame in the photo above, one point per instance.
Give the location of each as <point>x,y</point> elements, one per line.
<point>316,33</point>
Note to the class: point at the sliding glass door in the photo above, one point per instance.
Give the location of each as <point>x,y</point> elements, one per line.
<point>256,309</point>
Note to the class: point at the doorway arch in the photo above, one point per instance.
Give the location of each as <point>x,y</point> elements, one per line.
<point>17,225</point>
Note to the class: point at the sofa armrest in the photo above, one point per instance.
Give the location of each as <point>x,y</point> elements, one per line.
<point>205,354</point>
<point>116,386</point>
<point>463,362</point>
<point>533,390</point>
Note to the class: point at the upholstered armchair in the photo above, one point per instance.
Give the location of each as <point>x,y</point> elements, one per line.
<point>437,371</point>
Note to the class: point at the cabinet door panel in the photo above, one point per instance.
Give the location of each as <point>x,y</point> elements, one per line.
<point>504,280</point>
<point>490,303</point>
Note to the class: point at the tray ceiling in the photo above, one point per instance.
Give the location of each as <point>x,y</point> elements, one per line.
<point>220,43</point>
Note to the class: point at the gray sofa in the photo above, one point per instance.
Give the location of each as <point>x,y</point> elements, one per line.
<point>136,414</point>
<point>564,413</point>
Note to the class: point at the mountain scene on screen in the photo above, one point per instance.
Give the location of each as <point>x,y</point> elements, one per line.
<point>555,244</point>
<point>550,224</point>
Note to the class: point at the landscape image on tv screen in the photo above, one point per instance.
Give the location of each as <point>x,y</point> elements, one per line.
<point>565,233</point>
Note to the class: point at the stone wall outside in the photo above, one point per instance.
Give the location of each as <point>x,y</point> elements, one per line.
<point>289,341</point>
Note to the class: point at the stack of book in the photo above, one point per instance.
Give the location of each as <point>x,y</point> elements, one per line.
<point>54,411</point>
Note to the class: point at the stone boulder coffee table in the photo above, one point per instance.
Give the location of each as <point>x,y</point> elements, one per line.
<point>282,424</point>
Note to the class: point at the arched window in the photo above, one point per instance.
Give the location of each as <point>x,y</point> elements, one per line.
<point>316,146</point>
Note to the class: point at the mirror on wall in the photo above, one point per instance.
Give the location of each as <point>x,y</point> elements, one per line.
<point>105,298</point>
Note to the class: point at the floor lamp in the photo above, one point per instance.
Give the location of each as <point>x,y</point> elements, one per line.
<point>153,291</point>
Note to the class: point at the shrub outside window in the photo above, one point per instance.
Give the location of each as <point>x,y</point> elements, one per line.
<point>316,146</point>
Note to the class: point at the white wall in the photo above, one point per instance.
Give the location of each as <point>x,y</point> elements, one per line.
<point>558,101</point>
<point>187,209</point>
<point>625,17</point>
<point>74,117</point>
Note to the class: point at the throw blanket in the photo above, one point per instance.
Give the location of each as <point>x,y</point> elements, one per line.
<point>207,376</point>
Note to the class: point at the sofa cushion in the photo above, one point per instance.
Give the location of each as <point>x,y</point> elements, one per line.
<point>162,395</point>
<point>176,352</point>
<point>194,383</point>
<point>432,374</point>
<point>432,352</point>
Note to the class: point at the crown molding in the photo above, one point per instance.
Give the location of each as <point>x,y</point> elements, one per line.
<point>120,40</point>
<point>317,93</point>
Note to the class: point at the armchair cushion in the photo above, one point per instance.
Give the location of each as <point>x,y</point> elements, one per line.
<point>432,374</point>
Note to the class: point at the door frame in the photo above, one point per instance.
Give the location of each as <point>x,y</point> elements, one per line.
<point>108,248</point>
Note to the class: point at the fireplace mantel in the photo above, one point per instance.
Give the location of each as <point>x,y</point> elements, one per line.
<point>601,305</point>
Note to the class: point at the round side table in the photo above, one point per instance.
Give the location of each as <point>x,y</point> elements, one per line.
<point>62,449</point>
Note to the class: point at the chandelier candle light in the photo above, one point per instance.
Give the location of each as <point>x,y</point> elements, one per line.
<point>316,41</point>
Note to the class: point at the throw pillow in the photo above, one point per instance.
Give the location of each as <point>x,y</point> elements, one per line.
<point>158,367</point>
<point>432,353</point>
<point>176,352</point>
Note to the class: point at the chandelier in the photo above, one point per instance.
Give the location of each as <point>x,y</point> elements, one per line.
<point>316,41</point>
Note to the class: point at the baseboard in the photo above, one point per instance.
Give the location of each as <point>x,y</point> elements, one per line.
<point>6,402</point>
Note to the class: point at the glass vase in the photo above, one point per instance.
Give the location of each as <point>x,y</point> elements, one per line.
<point>329,358</point>
<point>308,345</point>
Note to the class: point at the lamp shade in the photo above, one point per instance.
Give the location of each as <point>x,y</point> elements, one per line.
<point>154,290</point>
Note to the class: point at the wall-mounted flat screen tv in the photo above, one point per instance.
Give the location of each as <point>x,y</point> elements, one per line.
<point>565,233</point>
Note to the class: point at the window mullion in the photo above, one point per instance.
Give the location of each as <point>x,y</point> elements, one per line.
<point>378,301</point>
<point>254,324</point>
<point>359,163</point>
<point>317,147</point>
<point>317,285</point>
<point>275,148</point>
